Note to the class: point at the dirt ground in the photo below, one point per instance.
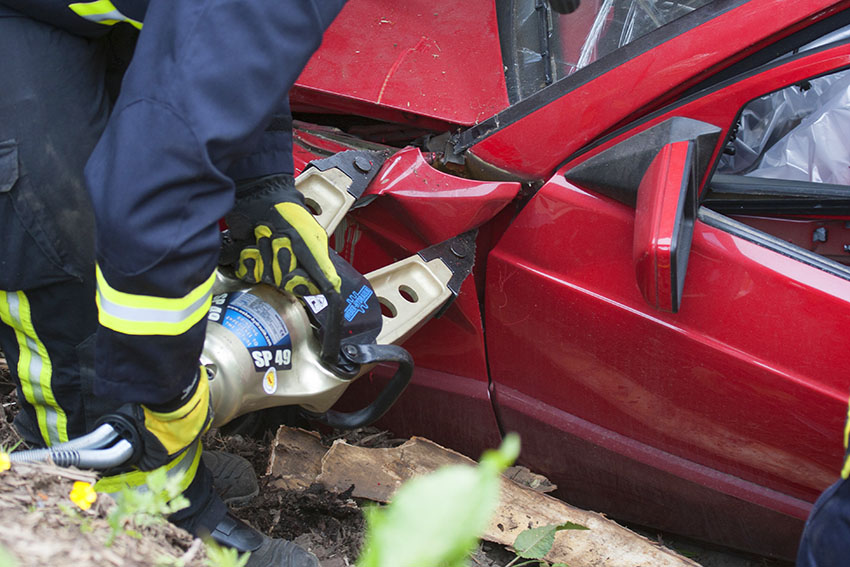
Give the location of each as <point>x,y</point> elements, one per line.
<point>43,527</point>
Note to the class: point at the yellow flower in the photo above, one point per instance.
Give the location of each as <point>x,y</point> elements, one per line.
<point>5,462</point>
<point>83,495</point>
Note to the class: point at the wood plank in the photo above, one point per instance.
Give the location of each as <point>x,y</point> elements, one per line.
<point>377,473</point>
<point>296,458</point>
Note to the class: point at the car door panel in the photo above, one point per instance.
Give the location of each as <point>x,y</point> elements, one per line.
<point>741,392</point>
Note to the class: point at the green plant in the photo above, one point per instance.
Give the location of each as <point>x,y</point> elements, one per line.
<point>6,558</point>
<point>5,461</point>
<point>534,543</point>
<point>218,556</point>
<point>168,561</point>
<point>436,519</point>
<point>84,522</point>
<point>160,497</point>
<point>4,449</point>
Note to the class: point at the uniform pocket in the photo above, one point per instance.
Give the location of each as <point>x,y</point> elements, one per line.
<point>29,259</point>
<point>8,165</point>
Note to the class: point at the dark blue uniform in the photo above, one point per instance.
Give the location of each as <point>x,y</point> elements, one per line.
<point>202,104</point>
<point>826,537</point>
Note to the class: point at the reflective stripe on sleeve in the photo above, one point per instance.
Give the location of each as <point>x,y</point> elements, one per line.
<point>35,370</point>
<point>149,315</point>
<point>102,12</point>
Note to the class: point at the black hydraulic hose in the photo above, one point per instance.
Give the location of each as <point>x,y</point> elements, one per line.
<point>370,354</point>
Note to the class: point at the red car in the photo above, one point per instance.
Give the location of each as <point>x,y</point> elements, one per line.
<point>660,303</point>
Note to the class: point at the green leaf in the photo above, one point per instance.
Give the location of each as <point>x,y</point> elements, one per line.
<point>504,456</point>
<point>6,558</point>
<point>535,543</point>
<point>436,519</point>
<point>220,556</point>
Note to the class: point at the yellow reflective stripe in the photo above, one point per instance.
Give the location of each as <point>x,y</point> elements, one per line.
<point>186,464</point>
<point>102,12</point>
<point>313,235</point>
<point>35,369</point>
<point>148,315</point>
<point>845,471</point>
<point>847,427</point>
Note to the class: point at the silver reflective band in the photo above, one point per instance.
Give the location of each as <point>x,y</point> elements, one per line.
<point>102,12</point>
<point>34,374</point>
<point>113,16</point>
<point>150,315</point>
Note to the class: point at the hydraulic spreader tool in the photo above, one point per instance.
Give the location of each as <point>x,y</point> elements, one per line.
<point>266,348</point>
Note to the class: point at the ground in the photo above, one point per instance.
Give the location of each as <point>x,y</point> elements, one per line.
<point>43,527</point>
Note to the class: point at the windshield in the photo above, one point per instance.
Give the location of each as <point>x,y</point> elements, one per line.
<point>540,46</point>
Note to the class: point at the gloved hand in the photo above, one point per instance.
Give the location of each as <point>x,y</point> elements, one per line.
<point>167,431</point>
<point>280,242</point>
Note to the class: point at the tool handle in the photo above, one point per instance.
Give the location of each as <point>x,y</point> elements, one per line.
<point>332,331</point>
<point>371,354</point>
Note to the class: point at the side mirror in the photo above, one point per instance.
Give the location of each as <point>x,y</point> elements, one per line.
<point>664,225</point>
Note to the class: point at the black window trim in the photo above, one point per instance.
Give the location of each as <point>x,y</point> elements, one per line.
<point>741,194</point>
<point>750,234</point>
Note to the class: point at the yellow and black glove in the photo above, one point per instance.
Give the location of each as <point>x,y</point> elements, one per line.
<point>279,241</point>
<point>168,430</point>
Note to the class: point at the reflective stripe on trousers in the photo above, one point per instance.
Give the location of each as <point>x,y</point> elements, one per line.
<point>102,12</point>
<point>35,369</point>
<point>184,466</point>
<point>132,314</point>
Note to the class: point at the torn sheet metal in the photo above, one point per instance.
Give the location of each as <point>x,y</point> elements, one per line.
<point>434,205</point>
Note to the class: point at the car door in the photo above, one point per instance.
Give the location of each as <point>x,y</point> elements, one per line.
<point>718,407</point>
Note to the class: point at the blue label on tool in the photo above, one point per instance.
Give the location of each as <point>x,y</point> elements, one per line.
<point>257,325</point>
<point>357,303</point>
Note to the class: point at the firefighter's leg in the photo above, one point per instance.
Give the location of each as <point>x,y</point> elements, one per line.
<point>44,334</point>
<point>53,108</point>
<point>52,112</point>
<point>205,81</point>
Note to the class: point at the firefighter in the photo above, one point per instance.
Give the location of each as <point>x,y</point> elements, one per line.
<point>109,211</point>
<point>826,536</point>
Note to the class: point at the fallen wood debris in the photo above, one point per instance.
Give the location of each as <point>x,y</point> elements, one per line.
<point>298,460</point>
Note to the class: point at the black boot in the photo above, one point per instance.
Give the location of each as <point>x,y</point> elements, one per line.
<point>265,551</point>
<point>234,479</point>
